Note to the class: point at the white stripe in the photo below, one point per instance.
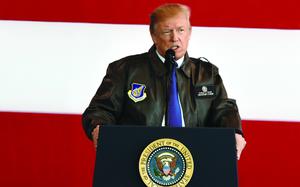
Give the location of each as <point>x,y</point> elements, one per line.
<point>57,67</point>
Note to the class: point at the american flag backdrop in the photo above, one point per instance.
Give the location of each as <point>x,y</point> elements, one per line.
<point>54,54</point>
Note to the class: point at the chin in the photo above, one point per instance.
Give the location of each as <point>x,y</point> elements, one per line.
<point>179,55</point>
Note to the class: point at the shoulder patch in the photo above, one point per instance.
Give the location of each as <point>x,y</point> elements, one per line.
<point>137,92</point>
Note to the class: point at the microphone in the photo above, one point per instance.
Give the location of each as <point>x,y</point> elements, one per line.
<point>170,55</point>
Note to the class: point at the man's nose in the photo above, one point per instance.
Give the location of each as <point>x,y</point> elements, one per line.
<point>174,36</point>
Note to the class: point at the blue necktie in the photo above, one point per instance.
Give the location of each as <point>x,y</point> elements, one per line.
<point>174,110</point>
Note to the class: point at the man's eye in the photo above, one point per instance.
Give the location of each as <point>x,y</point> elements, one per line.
<point>167,32</point>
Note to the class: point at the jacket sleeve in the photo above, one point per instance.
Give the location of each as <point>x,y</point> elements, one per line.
<point>106,105</point>
<point>224,111</point>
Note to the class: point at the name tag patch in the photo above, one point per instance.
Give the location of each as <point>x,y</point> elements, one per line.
<point>205,91</point>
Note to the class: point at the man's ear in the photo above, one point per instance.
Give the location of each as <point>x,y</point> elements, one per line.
<point>153,37</point>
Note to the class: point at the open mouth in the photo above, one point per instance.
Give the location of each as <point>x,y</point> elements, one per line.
<point>174,47</point>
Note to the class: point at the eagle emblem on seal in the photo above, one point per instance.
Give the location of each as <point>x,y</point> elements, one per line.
<point>166,166</point>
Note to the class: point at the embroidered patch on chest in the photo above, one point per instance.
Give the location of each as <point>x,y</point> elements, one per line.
<point>137,92</point>
<point>205,91</point>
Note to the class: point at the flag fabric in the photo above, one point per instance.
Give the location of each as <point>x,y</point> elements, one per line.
<point>54,54</point>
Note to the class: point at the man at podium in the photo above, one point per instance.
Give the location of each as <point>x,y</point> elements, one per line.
<point>164,86</point>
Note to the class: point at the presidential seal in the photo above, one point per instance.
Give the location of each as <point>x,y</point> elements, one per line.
<point>166,162</point>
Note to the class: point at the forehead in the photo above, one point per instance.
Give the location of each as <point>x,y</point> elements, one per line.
<point>176,21</point>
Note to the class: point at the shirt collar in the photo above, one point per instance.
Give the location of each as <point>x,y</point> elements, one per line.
<point>179,61</point>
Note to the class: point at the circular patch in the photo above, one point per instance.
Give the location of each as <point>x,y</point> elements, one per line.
<point>166,162</point>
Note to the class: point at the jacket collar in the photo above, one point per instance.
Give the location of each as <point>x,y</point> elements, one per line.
<point>161,68</point>
<point>187,65</point>
<point>157,65</point>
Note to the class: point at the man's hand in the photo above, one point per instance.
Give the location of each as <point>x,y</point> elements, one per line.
<point>95,135</point>
<point>240,144</point>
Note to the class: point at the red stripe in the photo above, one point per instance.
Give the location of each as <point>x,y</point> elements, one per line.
<point>271,157</point>
<point>44,150</point>
<point>51,150</point>
<point>230,13</point>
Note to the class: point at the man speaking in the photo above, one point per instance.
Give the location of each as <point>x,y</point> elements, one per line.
<point>164,86</point>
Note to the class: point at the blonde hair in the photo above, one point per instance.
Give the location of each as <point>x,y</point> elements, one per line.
<point>167,11</point>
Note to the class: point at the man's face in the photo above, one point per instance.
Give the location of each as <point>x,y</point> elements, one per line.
<point>172,33</point>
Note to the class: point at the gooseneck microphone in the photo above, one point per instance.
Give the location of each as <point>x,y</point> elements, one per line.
<point>170,55</point>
